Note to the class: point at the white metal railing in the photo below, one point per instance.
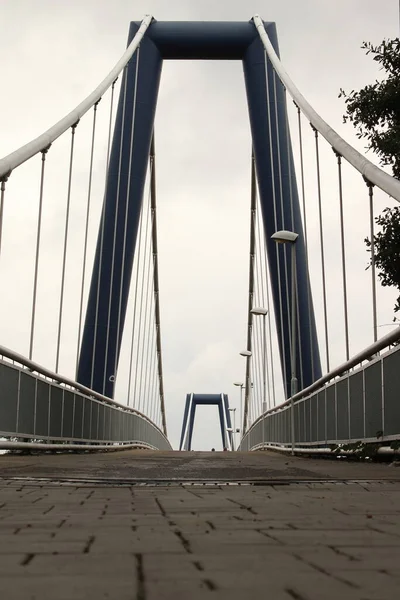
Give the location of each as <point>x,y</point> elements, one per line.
<point>16,158</point>
<point>366,354</point>
<point>371,172</point>
<point>73,385</point>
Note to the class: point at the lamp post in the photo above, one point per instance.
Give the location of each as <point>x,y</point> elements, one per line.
<point>290,237</point>
<point>234,428</point>
<point>247,354</point>
<point>241,386</point>
<point>263,312</point>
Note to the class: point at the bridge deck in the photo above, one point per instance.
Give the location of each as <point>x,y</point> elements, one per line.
<point>299,533</point>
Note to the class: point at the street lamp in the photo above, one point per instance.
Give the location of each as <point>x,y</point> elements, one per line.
<point>234,428</point>
<point>260,311</point>
<point>241,385</point>
<point>247,354</point>
<point>290,237</point>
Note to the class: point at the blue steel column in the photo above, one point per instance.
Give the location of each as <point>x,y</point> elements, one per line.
<point>185,420</point>
<point>227,416</point>
<point>96,360</point>
<point>265,142</point>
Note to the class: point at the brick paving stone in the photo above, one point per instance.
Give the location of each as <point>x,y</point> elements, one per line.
<point>371,582</point>
<point>66,587</point>
<point>309,541</point>
<point>334,537</point>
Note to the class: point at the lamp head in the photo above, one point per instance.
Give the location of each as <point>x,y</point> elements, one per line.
<point>259,310</point>
<point>285,237</point>
<point>245,353</point>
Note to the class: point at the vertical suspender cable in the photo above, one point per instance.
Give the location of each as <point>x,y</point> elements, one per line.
<point>251,291</point>
<point>146,314</point>
<point>278,143</point>
<point>143,274</point>
<point>39,228</point>
<point>132,134</point>
<point>157,289</point>
<point>115,231</point>
<point>321,234</point>
<point>89,195</point>
<point>372,236</point>
<point>303,194</point>
<point>344,279</point>
<point>3,182</point>
<point>289,160</point>
<point>138,251</point>
<point>269,325</point>
<point>264,277</point>
<point>275,221</point>
<point>148,343</point>
<point>71,160</point>
<point>257,344</point>
<point>264,370</point>
<point>152,370</point>
<point>102,234</point>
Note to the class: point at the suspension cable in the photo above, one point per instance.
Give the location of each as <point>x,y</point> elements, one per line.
<point>3,182</point>
<point>39,228</point>
<point>13,160</point>
<point>321,237</point>
<point>157,289</point>
<point>146,314</point>
<point>289,162</point>
<point>344,279</point>
<point>143,274</point>
<point>139,249</point>
<point>115,234</point>
<point>85,243</point>
<point>102,221</point>
<point>303,194</point>
<point>251,291</point>
<point>269,321</point>
<point>149,383</point>
<point>64,262</point>
<point>148,343</point>
<point>276,225</point>
<point>377,176</point>
<point>121,286</point>
<point>373,276</point>
<point>283,224</point>
<point>264,278</point>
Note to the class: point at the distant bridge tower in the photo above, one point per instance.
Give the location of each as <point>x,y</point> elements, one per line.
<point>192,401</point>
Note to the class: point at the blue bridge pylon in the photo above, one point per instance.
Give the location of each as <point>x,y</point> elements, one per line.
<point>192,401</point>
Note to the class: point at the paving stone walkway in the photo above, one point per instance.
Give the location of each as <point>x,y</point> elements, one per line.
<point>63,539</point>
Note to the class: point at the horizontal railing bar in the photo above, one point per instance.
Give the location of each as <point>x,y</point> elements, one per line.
<point>56,377</point>
<point>7,445</point>
<point>368,352</point>
<point>382,450</point>
<point>16,158</point>
<point>371,172</point>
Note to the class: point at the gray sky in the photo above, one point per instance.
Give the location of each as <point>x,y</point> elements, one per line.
<point>54,53</point>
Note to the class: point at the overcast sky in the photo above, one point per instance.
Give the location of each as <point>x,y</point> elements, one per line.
<point>53,54</point>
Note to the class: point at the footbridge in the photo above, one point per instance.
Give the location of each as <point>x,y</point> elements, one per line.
<point>93,499</point>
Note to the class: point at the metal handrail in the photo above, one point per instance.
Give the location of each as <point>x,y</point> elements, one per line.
<point>16,158</point>
<point>365,354</point>
<point>35,367</point>
<point>371,172</point>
